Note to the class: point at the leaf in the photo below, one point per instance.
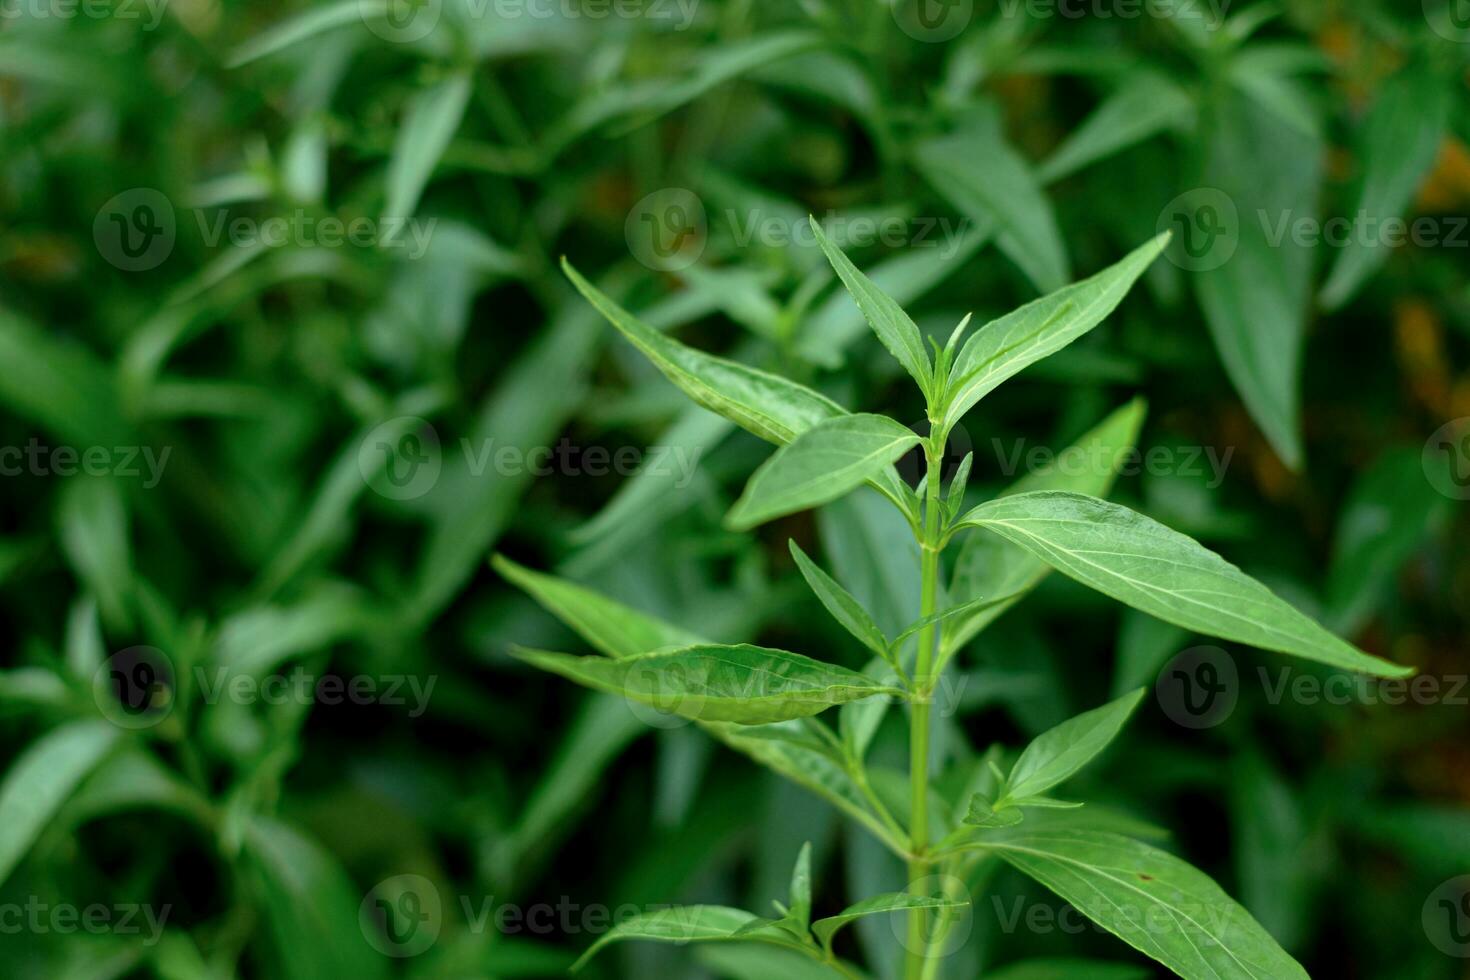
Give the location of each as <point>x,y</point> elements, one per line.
<point>904,278</point>
<point>799,908</point>
<point>1056,755</point>
<point>1040,328</point>
<point>744,684</point>
<point>1140,562</point>
<point>41,778</point>
<point>432,119</point>
<point>1255,302</point>
<point>981,175</point>
<point>989,565</point>
<point>311,906</point>
<point>1151,900</point>
<point>769,406</point>
<point>94,537</point>
<point>1143,106</point>
<point>297,29</point>
<point>984,813</point>
<point>1399,142</point>
<point>689,924</point>
<point>611,627</point>
<point>825,462</point>
<point>841,604</point>
<point>888,320</point>
<point>825,929</point>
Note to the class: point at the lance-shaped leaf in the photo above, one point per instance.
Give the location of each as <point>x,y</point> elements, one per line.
<point>888,320</point>
<point>841,603</point>
<point>1040,328</point>
<point>1151,900</point>
<point>1056,754</point>
<point>745,684</point>
<point>40,780</point>
<point>825,929</point>
<point>991,566</point>
<point>825,462</point>
<point>1138,561</point>
<point>610,626</point>
<point>765,404</point>
<point>693,924</point>
<point>1400,139</point>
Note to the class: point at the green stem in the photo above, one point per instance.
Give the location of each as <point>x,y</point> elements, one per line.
<point>919,717</point>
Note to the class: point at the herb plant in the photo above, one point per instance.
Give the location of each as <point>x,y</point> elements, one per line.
<point>765,702</point>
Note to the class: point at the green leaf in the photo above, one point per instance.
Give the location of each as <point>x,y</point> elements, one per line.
<point>799,909</point>
<point>1138,561</point>
<point>989,565</point>
<point>297,29</point>
<point>823,463</point>
<point>888,320</point>
<point>1255,302</point>
<point>40,780</point>
<point>744,684</point>
<point>94,537</point>
<point>690,924</point>
<point>825,929</point>
<point>433,117</point>
<point>1040,328</point>
<point>988,181</point>
<point>841,603</point>
<point>1056,755</point>
<point>1143,106</point>
<point>1400,139</point>
<point>985,813</point>
<point>769,406</point>
<point>1151,900</point>
<point>611,627</point>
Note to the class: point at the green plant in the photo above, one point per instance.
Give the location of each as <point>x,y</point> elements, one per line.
<point>765,702</point>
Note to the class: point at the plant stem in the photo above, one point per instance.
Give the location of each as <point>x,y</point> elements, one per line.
<point>919,717</point>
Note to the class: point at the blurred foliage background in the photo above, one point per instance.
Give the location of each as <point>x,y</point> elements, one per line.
<point>196,403</point>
